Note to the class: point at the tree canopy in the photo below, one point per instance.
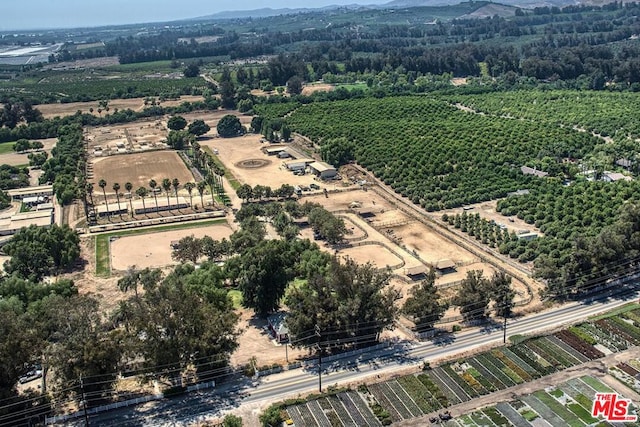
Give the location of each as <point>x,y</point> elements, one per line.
<point>229,126</point>
<point>349,304</point>
<point>38,251</point>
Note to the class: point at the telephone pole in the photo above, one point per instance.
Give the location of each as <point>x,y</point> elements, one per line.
<point>317,328</point>
<point>84,403</point>
<point>504,338</point>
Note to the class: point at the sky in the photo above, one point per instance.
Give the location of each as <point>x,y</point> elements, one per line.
<point>44,14</point>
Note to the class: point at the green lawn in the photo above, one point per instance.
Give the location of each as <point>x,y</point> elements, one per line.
<point>6,147</point>
<point>103,267</point>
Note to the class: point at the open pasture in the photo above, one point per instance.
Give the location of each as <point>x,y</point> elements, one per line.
<point>139,169</point>
<point>126,251</point>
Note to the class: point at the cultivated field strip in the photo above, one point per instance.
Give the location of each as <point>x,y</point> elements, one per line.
<point>497,369</point>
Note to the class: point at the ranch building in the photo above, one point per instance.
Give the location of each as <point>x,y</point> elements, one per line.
<point>149,205</point>
<point>111,209</point>
<point>21,193</point>
<point>323,170</point>
<point>274,151</point>
<point>41,218</point>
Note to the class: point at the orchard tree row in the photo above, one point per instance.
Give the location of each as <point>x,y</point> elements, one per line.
<point>433,153</point>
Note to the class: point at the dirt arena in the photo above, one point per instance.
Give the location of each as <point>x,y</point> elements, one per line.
<point>15,159</point>
<point>409,234</point>
<point>153,250</point>
<point>136,136</point>
<point>135,104</point>
<point>233,151</point>
<point>139,169</point>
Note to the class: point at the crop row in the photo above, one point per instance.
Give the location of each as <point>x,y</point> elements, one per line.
<point>452,383</point>
<point>440,157</point>
<point>569,405</point>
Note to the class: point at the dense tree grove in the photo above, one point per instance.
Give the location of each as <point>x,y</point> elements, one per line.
<point>229,126</point>
<point>442,157</point>
<point>36,251</point>
<point>476,293</point>
<point>349,304</point>
<point>424,304</point>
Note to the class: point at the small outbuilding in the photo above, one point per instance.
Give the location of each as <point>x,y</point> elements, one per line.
<point>445,265</point>
<point>417,272</point>
<point>323,170</point>
<point>278,328</point>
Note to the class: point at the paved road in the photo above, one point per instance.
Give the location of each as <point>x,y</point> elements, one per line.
<point>199,406</point>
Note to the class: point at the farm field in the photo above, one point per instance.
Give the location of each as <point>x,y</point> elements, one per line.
<point>569,403</point>
<point>153,250</point>
<point>139,169</point>
<point>452,383</point>
<point>135,104</point>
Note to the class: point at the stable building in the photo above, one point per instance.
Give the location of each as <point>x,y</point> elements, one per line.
<point>149,205</point>
<point>38,191</point>
<point>445,266</point>
<point>323,170</point>
<point>10,226</point>
<point>112,209</point>
<point>297,164</point>
<point>274,151</point>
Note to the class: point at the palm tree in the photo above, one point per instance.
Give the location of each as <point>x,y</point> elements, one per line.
<point>129,186</point>
<point>189,186</point>
<point>211,180</point>
<point>102,184</point>
<point>166,186</point>
<point>153,184</point>
<point>116,188</point>
<point>201,186</point>
<point>175,184</point>
<point>142,192</point>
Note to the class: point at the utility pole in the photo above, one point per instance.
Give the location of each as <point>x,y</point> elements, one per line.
<point>286,350</point>
<point>84,403</point>
<point>317,328</point>
<point>504,338</point>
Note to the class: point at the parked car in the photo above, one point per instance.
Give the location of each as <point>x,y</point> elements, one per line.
<point>314,186</point>
<point>30,376</point>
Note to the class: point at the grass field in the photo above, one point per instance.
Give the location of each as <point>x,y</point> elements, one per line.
<point>6,147</point>
<point>103,269</point>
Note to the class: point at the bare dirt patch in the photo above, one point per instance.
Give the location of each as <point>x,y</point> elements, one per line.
<point>318,87</point>
<point>255,341</point>
<point>235,152</point>
<point>153,250</point>
<point>17,159</point>
<point>139,169</point>
<point>135,104</point>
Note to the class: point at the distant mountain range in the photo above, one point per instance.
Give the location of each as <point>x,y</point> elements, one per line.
<point>394,4</point>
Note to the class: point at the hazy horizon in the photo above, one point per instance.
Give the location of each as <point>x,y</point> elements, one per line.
<point>58,14</point>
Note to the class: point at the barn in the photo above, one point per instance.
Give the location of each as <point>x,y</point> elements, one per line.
<point>323,170</point>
